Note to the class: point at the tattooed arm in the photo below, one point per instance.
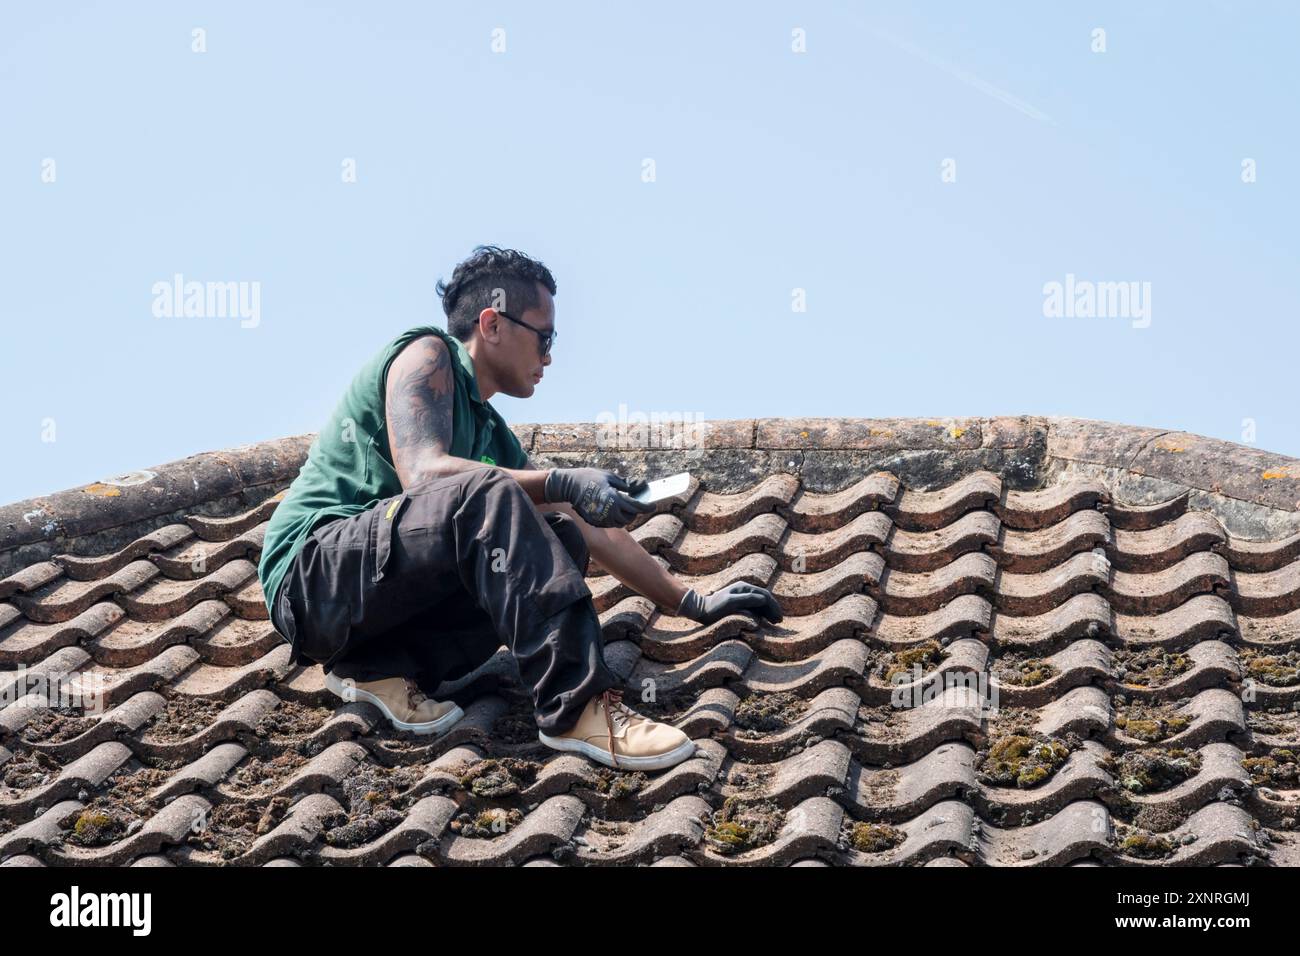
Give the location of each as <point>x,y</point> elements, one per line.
<point>418,406</point>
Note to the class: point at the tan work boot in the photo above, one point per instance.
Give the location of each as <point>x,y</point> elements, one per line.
<point>611,733</point>
<point>401,701</point>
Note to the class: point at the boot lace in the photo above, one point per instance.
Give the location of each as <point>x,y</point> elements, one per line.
<point>616,712</point>
<point>414,694</point>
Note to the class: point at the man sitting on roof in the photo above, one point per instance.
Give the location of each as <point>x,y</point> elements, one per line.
<point>418,536</point>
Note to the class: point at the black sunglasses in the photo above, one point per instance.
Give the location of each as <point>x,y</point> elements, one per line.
<point>546,338</point>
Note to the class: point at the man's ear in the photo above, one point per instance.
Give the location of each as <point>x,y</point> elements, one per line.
<point>489,325</point>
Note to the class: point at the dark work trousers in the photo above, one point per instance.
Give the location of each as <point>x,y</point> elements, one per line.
<point>430,583</point>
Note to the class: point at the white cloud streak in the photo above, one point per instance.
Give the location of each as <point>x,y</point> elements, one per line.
<point>970,79</point>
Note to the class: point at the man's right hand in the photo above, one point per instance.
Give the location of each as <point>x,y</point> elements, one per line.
<point>599,497</point>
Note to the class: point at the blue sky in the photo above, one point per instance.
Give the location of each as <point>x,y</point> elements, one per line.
<point>774,170</point>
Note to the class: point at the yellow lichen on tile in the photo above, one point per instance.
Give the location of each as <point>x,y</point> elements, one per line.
<point>103,490</point>
<point>951,428</point>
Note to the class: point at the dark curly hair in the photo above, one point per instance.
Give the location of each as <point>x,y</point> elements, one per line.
<point>488,268</point>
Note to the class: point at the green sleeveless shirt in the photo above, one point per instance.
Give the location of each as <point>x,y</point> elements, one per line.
<point>350,466</point>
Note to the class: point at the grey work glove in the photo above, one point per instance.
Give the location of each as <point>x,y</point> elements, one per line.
<point>600,497</point>
<point>731,599</point>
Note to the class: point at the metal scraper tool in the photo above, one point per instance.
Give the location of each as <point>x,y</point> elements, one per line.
<point>662,488</point>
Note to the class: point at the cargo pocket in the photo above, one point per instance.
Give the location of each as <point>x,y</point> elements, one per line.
<point>324,630</point>
<point>387,511</point>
